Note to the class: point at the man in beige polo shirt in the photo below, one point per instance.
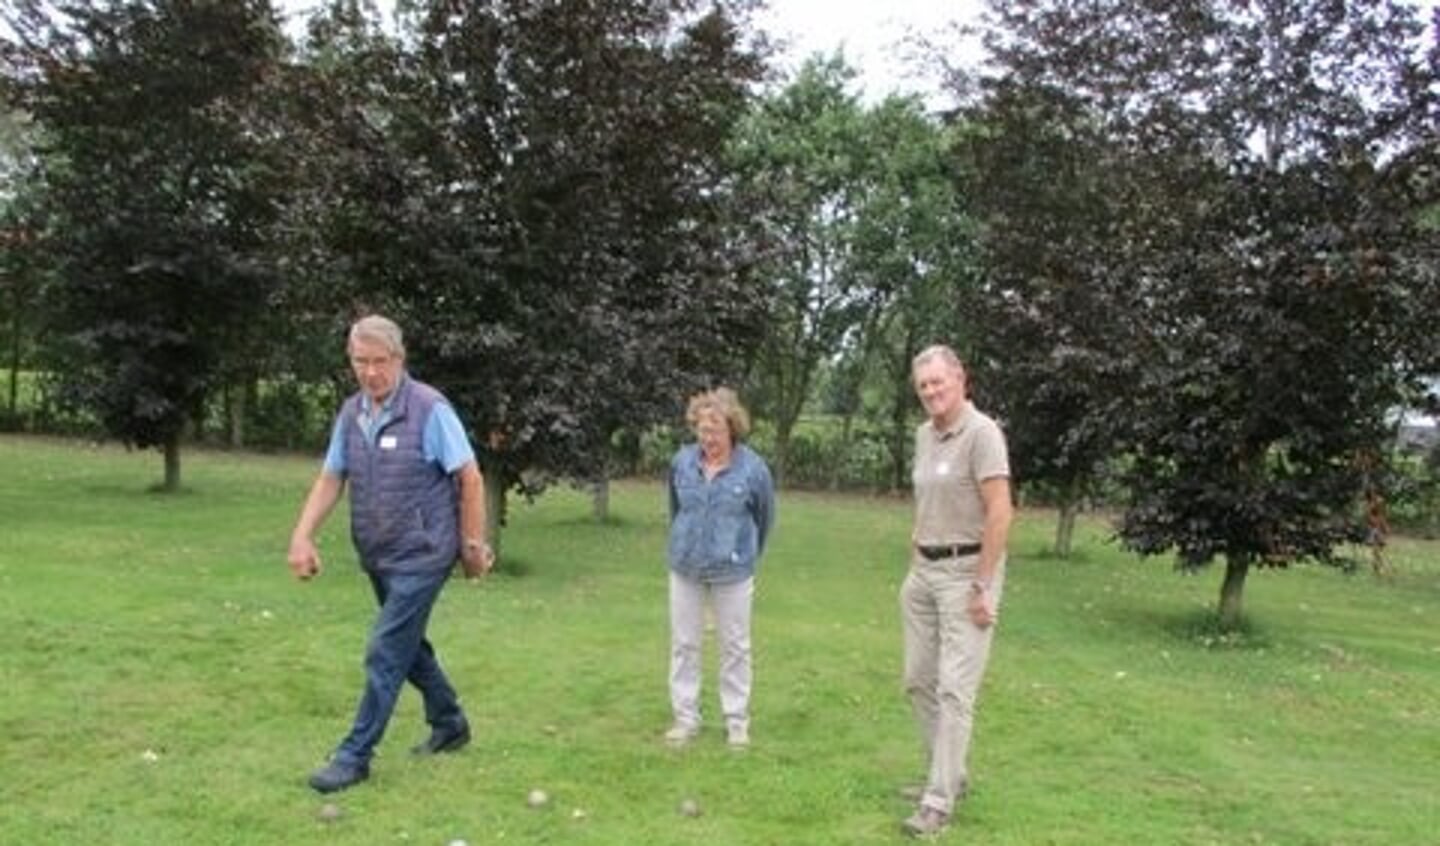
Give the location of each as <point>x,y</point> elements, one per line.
<point>951,596</point>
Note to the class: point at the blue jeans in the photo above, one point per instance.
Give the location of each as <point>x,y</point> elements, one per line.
<point>398,651</point>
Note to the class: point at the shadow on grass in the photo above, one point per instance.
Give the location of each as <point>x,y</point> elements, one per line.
<point>588,521</point>
<point>1047,554</point>
<point>159,489</point>
<point>1198,628</point>
<point>128,492</point>
<point>510,567</point>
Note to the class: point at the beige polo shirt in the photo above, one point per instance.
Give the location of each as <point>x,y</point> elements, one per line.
<point>949,467</point>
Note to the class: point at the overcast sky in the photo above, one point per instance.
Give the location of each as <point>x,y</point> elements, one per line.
<point>869,31</point>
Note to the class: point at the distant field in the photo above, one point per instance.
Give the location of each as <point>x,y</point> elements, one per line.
<point>166,682</point>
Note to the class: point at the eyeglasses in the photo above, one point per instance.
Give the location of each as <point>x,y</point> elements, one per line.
<point>377,362</point>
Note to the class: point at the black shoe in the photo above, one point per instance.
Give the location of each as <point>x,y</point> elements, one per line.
<point>449,739</point>
<point>338,775</point>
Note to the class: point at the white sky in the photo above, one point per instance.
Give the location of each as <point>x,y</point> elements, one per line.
<point>869,32</point>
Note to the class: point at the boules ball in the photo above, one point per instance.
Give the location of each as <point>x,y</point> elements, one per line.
<point>537,798</point>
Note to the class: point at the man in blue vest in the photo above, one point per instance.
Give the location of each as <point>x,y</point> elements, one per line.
<point>417,503</point>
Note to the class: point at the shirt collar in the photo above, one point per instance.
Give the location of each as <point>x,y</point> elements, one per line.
<point>367,405</point>
<point>698,459</point>
<point>962,420</point>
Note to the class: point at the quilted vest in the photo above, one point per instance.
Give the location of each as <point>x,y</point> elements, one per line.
<point>403,509</point>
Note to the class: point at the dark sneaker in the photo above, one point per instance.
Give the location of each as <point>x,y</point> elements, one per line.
<point>926,822</point>
<point>448,739</point>
<point>338,775</point>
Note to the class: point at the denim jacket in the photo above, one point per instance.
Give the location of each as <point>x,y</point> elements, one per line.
<point>718,527</point>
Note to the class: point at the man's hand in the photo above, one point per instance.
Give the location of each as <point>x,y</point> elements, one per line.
<point>476,557</point>
<point>304,558</point>
<point>982,607</point>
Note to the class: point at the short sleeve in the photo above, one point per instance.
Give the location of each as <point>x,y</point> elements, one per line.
<point>335,453</point>
<point>990,456</point>
<point>445,441</point>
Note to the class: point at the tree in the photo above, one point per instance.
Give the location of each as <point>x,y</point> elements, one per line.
<point>1271,239</point>
<point>913,256</point>
<point>21,262</point>
<point>1051,192</point>
<point>158,190</point>
<point>798,156</point>
<point>539,199</point>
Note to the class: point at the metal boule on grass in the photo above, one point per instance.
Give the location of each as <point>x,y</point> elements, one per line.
<point>689,808</point>
<point>537,798</point>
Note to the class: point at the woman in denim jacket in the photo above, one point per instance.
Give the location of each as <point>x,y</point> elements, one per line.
<point>722,505</point>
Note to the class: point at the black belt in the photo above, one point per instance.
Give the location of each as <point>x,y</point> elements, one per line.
<point>954,550</point>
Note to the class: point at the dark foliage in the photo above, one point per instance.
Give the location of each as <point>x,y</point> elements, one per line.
<point>159,185</point>
<point>535,191</point>
<point>1254,263</point>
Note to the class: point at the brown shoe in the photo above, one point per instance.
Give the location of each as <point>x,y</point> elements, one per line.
<point>926,822</point>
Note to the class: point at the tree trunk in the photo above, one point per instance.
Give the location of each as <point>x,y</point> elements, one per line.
<point>14,399</point>
<point>899,431</point>
<point>235,400</point>
<point>782,451</point>
<point>1070,498</point>
<point>1232,591</point>
<point>600,499</point>
<point>1065,527</point>
<point>172,465</point>
<point>15,358</point>
<point>837,467</point>
<point>494,508</point>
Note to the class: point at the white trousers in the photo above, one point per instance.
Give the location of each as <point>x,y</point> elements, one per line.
<point>731,604</point>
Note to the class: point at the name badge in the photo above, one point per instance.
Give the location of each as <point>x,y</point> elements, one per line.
<point>388,442</point>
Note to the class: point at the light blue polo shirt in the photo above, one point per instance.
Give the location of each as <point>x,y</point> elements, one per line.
<point>443,441</point>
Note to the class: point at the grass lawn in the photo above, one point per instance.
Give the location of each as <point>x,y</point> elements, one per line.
<point>163,680</point>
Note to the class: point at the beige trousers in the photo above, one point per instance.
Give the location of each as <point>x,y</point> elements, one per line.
<point>945,657</point>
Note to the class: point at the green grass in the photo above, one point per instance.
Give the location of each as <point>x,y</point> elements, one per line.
<point>165,681</point>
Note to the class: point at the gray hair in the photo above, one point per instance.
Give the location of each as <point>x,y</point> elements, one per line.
<point>934,351</point>
<point>379,329</point>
